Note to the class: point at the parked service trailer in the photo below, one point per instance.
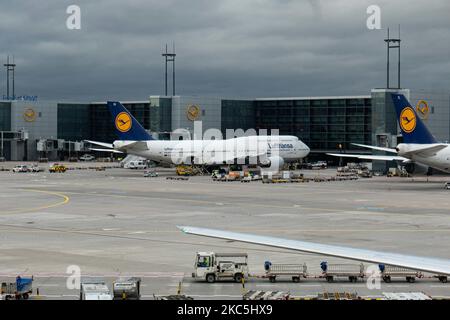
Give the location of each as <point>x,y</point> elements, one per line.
<point>337,296</point>
<point>173,297</point>
<point>388,272</point>
<point>95,290</point>
<point>265,295</point>
<point>295,271</point>
<point>127,289</point>
<point>21,289</point>
<point>350,271</point>
<point>442,278</point>
<point>406,296</point>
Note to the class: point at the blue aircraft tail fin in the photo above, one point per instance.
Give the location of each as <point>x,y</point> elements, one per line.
<point>127,127</point>
<point>412,126</point>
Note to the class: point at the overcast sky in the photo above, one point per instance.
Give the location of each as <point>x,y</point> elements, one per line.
<point>251,48</point>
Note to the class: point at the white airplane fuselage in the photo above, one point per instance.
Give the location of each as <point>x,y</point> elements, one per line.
<point>207,152</point>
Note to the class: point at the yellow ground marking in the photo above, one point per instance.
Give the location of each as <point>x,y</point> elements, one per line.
<point>65,200</point>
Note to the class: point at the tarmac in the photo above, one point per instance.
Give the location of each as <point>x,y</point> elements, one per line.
<point>116,222</point>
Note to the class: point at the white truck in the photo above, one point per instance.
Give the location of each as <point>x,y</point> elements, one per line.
<point>95,290</point>
<point>212,267</point>
<point>20,168</point>
<point>136,164</point>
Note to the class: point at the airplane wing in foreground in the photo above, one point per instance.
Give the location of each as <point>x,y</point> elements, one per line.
<point>433,265</point>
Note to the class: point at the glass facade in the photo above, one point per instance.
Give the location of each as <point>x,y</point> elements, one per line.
<point>77,122</point>
<point>5,125</point>
<point>74,121</point>
<point>323,123</point>
<point>5,116</point>
<point>237,114</point>
<point>161,116</point>
<point>102,125</point>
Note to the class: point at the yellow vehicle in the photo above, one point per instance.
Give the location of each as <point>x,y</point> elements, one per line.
<point>57,168</point>
<point>185,171</point>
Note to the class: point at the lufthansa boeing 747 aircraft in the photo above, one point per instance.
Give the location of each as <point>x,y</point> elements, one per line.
<point>271,151</point>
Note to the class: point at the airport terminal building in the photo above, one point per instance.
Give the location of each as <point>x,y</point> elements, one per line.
<point>56,130</point>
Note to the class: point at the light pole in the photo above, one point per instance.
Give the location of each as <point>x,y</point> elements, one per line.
<point>10,67</point>
<point>170,57</point>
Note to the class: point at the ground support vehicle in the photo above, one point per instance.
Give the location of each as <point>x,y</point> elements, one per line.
<point>350,271</point>
<point>127,289</point>
<point>212,267</point>
<point>20,168</point>
<point>95,290</point>
<point>265,295</point>
<point>295,271</point>
<point>57,168</point>
<point>389,272</point>
<point>21,289</point>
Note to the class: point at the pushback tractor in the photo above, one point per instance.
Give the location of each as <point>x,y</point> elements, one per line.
<point>212,267</point>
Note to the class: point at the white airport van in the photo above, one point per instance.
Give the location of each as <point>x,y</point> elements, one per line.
<point>136,164</point>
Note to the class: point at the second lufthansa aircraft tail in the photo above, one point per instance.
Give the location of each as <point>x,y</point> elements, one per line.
<point>413,128</point>
<point>127,127</point>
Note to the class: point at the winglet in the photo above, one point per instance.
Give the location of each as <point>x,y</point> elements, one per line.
<point>183,229</point>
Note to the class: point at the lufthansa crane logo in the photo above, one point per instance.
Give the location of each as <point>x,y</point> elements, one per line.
<point>422,109</point>
<point>193,112</point>
<point>29,115</point>
<point>408,120</point>
<point>123,122</point>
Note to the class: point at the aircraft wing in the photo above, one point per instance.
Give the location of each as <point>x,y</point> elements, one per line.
<point>375,147</point>
<point>369,157</point>
<point>103,144</point>
<point>433,265</point>
<point>427,150</point>
<point>105,150</point>
<point>135,145</point>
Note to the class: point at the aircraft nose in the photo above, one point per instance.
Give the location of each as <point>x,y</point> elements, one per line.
<point>304,147</point>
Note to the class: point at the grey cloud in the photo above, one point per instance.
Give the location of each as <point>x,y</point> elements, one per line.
<point>228,48</point>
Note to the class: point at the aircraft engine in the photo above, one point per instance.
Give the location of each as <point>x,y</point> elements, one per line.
<point>418,169</point>
<point>274,162</point>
